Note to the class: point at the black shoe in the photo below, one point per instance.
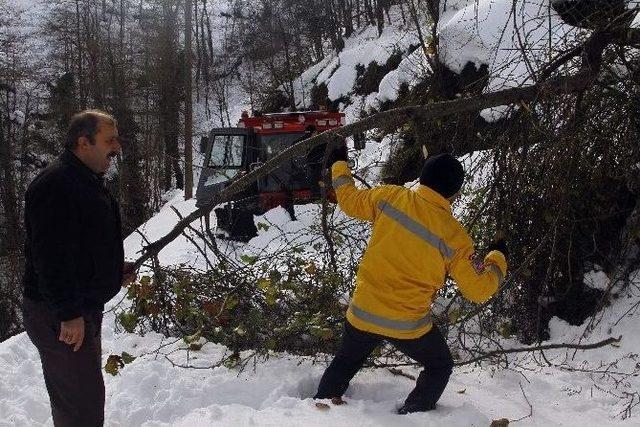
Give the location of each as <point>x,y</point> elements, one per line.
<point>409,408</point>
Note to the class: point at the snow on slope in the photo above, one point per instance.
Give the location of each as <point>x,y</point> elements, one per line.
<point>155,391</point>
<point>497,33</point>
<point>338,71</point>
<point>494,33</point>
<point>636,21</point>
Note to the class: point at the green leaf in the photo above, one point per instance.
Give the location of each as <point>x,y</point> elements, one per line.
<point>262,226</point>
<point>113,365</point>
<point>264,283</point>
<point>190,339</point>
<point>231,302</point>
<point>129,321</point>
<point>315,331</point>
<point>275,275</point>
<point>232,361</point>
<point>131,292</point>
<point>504,329</point>
<point>326,333</point>
<point>195,346</point>
<point>272,294</point>
<point>248,259</point>
<point>271,344</point>
<point>127,358</point>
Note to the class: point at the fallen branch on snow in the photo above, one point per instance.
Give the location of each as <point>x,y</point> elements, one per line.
<point>488,355</point>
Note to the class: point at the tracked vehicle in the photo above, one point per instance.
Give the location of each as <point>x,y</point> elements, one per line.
<point>230,152</point>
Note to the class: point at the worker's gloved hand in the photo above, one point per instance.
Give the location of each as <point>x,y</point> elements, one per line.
<point>499,244</point>
<point>339,153</point>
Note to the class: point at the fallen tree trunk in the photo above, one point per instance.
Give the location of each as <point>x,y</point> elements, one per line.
<point>392,118</point>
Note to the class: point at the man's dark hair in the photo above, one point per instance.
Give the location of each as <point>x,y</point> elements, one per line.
<point>85,123</point>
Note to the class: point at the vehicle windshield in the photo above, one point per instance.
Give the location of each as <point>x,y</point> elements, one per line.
<point>290,174</point>
<point>276,144</point>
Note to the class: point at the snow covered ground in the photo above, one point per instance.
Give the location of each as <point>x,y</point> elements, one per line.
<point>151,391</point>
<point>157,390</point>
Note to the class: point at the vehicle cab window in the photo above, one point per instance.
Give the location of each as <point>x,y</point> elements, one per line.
<point>227,152</point>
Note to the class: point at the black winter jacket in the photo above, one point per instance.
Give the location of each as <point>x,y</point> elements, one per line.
<point>73,249</point>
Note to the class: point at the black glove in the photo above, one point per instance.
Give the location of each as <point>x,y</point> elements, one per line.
<point>339,153</point>
<point>499,245</point>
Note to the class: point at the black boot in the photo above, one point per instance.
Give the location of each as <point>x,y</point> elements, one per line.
<point>409,408</point>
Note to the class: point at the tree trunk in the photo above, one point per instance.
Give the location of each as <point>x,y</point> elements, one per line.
<point>168,84</point>
<point>81,83</point>
<point>368,8</point>
<point>379,16</point>
<point>346,9</point>
<point>8,188</point>
<point>188,113</point>
<point>133,190</point>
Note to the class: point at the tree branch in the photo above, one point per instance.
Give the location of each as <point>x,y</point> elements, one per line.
<point>389,119</point>
<point>494,353</point>
<point>490,354</point>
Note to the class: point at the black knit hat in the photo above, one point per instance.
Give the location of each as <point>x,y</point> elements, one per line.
<point>443,173</point>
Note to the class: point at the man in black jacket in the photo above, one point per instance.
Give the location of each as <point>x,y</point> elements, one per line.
<point>74,265</point>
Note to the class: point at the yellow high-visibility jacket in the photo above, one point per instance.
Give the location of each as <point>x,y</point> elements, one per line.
<point>415,242</point>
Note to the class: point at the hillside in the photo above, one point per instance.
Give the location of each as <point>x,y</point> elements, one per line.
<point>185,379</point>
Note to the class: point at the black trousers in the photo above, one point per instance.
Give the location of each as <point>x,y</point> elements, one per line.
<point>430,350</point>
<point>73,379</point>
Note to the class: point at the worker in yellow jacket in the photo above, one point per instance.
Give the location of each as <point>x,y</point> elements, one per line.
<point>414,244</point>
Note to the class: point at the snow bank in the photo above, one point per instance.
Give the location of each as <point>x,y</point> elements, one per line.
<point>155,391</point>
<point>636,21</point>
<point>362,50</point>
<point>411,68</point>
<point>181,250</point>
<point>339,73</point>
<point>496,33</point>
<point>152,392</point>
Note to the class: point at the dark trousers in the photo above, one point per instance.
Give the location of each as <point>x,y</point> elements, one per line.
<point>430,350</point>
<point>73,379</point>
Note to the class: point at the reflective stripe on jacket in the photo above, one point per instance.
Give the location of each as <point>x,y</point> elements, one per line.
<point>414,244</point>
